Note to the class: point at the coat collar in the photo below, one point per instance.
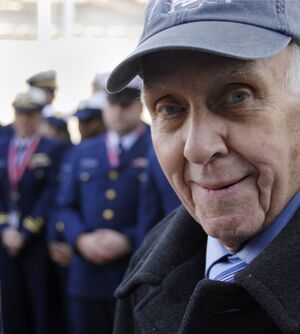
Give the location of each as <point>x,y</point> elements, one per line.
<point>273,277</point>
<point>179,252</point>
<point>179,240</point>
<point>181,244</point>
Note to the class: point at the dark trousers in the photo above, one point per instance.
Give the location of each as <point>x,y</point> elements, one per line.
<point>88,316</point>
<point>23,290</point>
<point>57,300</point>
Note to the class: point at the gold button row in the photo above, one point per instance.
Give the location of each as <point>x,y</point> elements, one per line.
<point>108,214</point>
<point>84,176</point>
<point>113,175</point>
<point>60,226</point>
<point>110,194</point>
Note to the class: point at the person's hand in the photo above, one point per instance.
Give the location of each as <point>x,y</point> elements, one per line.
<point>89,247</point>
<point>113,244</point>
<point>103,246</point>
<point>60,252</point>
<point>12,241</point>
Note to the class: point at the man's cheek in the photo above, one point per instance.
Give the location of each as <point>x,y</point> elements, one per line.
<point>265,183</point>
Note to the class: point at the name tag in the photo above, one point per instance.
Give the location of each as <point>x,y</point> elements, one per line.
<point>139,162</point>
<point>89,163</point>
<point>39,160</point>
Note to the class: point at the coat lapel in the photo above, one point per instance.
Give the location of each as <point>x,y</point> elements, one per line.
<point>273,278</point>
<point>172,268</point>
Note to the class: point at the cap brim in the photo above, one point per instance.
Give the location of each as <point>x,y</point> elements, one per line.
<point>21,110</point>
<point>235,40</point>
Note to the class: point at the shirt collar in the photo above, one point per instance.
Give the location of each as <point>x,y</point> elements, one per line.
<point>23,142</point>
<point>215,250</point>
<point>127,141</point>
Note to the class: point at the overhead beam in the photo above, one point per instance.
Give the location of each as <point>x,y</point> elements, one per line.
<point>44,19</point>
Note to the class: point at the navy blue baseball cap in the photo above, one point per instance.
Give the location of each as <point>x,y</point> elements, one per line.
<point>87,114</point>
<point>57,122</point>
<point>242,29</point>
<point>88,109</point>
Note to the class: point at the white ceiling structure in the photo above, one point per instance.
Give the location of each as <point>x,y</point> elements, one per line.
<point>77,38</point>
<point>53,19</point>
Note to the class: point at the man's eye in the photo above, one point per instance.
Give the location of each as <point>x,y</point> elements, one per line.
<point>171,110</point>
<point>236,97</point>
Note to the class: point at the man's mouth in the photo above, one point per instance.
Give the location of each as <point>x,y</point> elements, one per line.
<point>221,186</point>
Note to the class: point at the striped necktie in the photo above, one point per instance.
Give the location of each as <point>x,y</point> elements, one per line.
<point>121,149</point>
<point>233,264</point>
<point>20,152</point>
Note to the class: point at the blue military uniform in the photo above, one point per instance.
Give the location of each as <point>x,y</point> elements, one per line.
<point>58,273</point>
<point>95,195</point>
<point>28,166</point>
<point>6,131</point>
<point>157,198</point>
<point>26,274</point>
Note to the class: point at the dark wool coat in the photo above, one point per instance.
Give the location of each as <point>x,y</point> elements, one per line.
<point>164,290</point>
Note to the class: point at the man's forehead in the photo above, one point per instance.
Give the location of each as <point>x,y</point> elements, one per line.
<point>161,66</point>
<point>164,67</point>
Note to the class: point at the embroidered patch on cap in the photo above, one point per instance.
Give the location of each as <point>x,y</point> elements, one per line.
<point>175,5</point>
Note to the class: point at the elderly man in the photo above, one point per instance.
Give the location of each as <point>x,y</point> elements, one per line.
<point>221,81</point>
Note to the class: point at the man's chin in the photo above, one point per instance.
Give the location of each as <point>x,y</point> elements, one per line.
<point>231,230</point>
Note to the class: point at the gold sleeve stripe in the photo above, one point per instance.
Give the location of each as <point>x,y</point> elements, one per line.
<point>33,225</point>
<point>3,218</point>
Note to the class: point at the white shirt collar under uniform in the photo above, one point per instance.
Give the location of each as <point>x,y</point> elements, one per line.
<point>127,140</point>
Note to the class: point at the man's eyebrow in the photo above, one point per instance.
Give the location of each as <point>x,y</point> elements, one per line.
<point>239,69</point>
<point>150,87</point>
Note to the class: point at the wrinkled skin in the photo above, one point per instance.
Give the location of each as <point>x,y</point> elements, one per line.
<point>226,133</point>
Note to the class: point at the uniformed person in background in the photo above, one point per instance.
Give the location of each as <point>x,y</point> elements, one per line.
<point>99,201</point>
<point>6,131</point>
<point>56,127</point>
<point>157,198</point>
<point>46,81</point>
<point>99,94</point>
<point>28,164</point>
<point>90,119</point>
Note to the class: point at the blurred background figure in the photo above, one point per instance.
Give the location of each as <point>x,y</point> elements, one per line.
<point>122,109</point>
<point>56,127</point>
<point>98,90</point>
<point>6,131</point>
<point>99,202</point>
<point>28,165</point>
<point>90,119</point>
<point>46,81</point>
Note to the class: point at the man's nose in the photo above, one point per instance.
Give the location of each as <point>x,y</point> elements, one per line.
<point>205,139</point>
